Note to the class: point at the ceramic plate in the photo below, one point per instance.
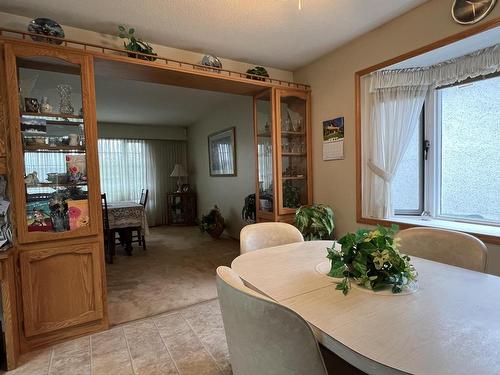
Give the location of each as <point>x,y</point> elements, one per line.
<point>323,268</point>
<point>46,26</point>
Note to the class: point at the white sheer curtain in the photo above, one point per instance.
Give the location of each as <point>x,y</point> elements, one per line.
<point>393,118</point>
<point>127,166</point>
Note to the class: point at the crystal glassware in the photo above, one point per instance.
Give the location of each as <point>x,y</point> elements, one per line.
<point>65,105</point>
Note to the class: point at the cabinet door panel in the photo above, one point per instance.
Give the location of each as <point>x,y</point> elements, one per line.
<point>61,287</point>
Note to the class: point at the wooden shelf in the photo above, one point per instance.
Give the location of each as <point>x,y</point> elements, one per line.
<point>293,154</point>
<point>53,115</point>
<point>283,134</point>
<point>292,133</point>
<point>54,184</point>
<point>293,178</point>
<point>55,149</point>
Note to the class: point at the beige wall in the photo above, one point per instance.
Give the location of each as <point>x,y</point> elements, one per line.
<point>227,192</point>
<point>129,131</point>
<point>332,81</point>
<point>15,22</point>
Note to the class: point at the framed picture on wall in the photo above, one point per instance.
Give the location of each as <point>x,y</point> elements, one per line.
<point>222,153</point>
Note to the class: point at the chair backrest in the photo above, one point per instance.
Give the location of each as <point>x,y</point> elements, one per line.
<point>105,214</point>
<point>264,337</point>
<point>144,197</point>
<point>444,246</point>
<point>261,235</point>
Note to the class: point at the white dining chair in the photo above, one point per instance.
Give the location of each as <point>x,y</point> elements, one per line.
<point>264,337</point>
<point>444,246</point>
<point>262,235</point>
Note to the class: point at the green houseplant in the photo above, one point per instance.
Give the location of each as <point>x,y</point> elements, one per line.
<point>258,71</point>
<point>372,259</point>
<point>135,45</point>
<point>315,222</point>
<point>212,223</point>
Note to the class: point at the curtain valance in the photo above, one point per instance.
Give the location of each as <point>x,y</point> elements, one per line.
<point>478,63</point>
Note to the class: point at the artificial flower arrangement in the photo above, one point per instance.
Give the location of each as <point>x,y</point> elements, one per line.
<point>372,259</point>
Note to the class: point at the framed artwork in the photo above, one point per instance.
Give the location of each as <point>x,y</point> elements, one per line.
<point>222,153</point>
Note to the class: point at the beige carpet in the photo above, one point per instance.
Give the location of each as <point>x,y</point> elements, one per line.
<point>176,271</point>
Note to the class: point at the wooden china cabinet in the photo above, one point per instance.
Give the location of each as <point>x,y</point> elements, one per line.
<point>53,171</point>
<point>52,279</point>
<point>282,130</point>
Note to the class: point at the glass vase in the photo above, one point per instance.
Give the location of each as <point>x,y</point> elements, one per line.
<point>65,105</point>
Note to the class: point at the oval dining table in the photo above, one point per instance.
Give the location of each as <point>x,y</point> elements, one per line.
<point>450,325</point>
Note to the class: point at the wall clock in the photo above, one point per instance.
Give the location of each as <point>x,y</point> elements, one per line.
<point>467,12</point>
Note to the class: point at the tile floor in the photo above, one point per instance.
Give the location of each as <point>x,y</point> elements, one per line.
<point>190,341</point>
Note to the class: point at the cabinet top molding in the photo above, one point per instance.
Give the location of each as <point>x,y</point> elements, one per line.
<point>121,55</point>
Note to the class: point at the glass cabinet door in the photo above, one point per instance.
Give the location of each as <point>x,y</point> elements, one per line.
<point>293,163</point>
<point>264,145</point>
<point>53,169</point>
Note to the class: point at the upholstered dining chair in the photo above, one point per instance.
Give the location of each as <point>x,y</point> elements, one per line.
<point>109,234</point>
<point>137,233</point>
<point>444,246</point>
<point>261,235</point>
<point>264,337</point>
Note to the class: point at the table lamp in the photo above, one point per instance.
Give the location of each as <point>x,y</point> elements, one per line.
<point>178,172</point>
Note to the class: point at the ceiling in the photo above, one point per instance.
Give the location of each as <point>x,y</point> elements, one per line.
<point>135,102</point>
<point>462,47</point>
<point>266,32</point>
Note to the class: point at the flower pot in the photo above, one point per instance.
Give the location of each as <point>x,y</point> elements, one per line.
<point>217,231</point>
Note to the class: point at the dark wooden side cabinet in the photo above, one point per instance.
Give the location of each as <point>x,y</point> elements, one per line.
<point>181,208</point>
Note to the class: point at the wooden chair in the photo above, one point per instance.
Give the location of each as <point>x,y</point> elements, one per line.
<point>109,234</point>
<point>444,246</point>
<point>261,235</point>
<point>265,337</point>
<point>137,233</point>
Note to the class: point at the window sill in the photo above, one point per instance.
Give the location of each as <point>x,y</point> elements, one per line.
<point>487,233</point>
<point>487,230</point>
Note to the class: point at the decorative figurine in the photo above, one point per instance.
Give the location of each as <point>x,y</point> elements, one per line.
<point>32,179</point>
<point>45,107</point>
<point>31,105</point>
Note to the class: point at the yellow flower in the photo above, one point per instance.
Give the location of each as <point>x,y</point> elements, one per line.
<point>379,258</point>
<point>370,236</point>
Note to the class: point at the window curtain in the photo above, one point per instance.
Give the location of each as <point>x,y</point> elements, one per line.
<point>127,166</point>
<point>391,104</point>
<point>394,115</point>
<point>478,63</point>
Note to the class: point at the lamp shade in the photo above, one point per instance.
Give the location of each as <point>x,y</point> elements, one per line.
<point>178,171</point>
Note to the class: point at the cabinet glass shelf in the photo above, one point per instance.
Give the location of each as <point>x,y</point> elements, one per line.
<point>54,148</point>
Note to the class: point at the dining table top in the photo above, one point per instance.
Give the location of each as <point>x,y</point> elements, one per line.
<point>450,325</point>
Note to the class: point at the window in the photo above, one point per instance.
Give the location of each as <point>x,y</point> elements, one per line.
<point>460,180</point>
<point>123,165</point>
<point>469,156</point>
<point>408,183</point>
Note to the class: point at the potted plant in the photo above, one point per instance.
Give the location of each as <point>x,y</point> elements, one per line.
<point>371,258</point>
<point>315,222</point>
<point>136,45</point>
<point>291,195</point>
<point>258,71</point>
<point>212,223</point>
<point>249,211</point>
